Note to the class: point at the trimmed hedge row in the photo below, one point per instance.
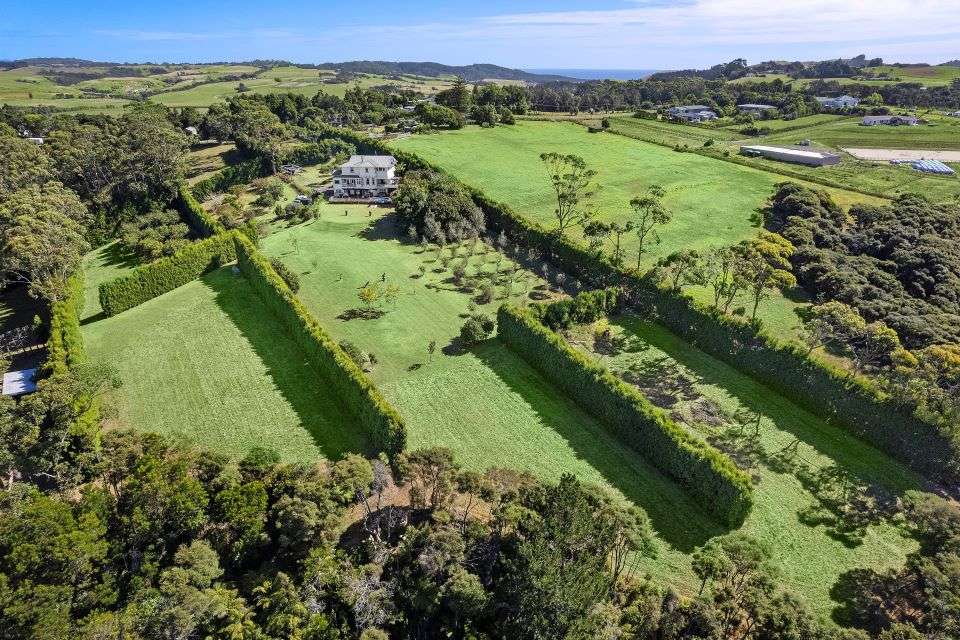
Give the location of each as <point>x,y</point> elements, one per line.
<point>381,420</point>
<point>204,223</point>
<point>151,280</point>
<point>65,344</point>
<point>855,404</point>
<point>711,477</point>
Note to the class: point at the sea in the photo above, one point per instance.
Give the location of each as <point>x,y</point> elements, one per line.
<point>598,74</point>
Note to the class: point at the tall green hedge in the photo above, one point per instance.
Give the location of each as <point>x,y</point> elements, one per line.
<point>381,420</point>
<point>711,477</point>
<point>151,280</point>
<point>65,344</point>
<point>204,223</point>
<point>855,404</point>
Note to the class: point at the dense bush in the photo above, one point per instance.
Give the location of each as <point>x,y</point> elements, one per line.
<point>585,307</point>
<point>707,474</point>
<point>149,281</point>
<point>438,207</point>
<point>318,152</point>
<point>234,174</point>
<point>382,422</point>
<point>289,275</point>
<point>898,263</point>
<point>157,233</point>
<point>65,344</point>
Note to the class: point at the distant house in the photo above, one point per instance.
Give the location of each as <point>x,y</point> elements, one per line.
<point>955,114</point>
<point>191,131</point>
<point>692,113</point>
<point>893,121</point>
<point>366,177</point>
<point>35,140</point>
<point>757,109</point>
<point>790,154</point>
<point>291,169</point>
<point>838,104</point>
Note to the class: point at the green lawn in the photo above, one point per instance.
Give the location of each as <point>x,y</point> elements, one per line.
<point>809,476</point>
<point>102,265</point>
<point>487,404</point>
<point>207,363</point>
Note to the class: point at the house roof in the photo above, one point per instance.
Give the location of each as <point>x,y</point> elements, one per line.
<point>378,162</point>
<point>755,106</point>
<point>759,148</point>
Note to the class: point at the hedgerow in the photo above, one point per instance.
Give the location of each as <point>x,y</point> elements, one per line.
<point>711,477</point>
<point>65,344</point>
<point>205,224</point>
<point>149,281</point>
<point>854,403</point>
<point>378,417</point>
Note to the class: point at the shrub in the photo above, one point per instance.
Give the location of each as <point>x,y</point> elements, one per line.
<point>383,424</point>
<point>65,344</point>
<point>476,329</point>
<point>707,474</point>
<point>149,281</point>
<point>289,275</point>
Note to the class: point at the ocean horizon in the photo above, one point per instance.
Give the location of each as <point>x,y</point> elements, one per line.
<point>598,74</point>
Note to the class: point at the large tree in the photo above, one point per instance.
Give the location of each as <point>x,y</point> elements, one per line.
<point>43,238</point>
<point>574,188</point>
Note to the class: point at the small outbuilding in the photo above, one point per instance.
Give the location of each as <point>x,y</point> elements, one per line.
<point>790,154</point>
<point>19,383</point>
<point>756,109</point>
<point>891,121</point>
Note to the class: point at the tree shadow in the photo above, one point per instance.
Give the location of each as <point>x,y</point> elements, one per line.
<point>386,227</point>
<point>335,431</point>
<point>361,314</point>
<point>852,491</point>
<point>677,518</point>
<point>116,255</point>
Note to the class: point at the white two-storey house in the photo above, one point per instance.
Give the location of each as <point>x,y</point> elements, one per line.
<point>366,177</point>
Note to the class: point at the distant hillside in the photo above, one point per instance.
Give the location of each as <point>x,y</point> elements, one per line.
<point>470,73</point>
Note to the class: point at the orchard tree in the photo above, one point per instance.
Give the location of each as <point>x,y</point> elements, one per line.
<point>574,187</point>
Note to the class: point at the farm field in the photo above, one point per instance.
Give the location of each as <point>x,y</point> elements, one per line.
<point>205,363</point>
<point>795,124</point>
<point>486,404</point>
<point>931,76</point>
<point>872,177</point>
<point>941,133</point>
<point>804,469</point>
<point>291,80</point>
<point>670,133</point>
<point>713,202</point>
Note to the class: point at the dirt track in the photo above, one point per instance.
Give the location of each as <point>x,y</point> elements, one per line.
<point>903,154</point>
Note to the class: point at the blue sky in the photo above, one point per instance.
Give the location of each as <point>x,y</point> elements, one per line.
<point>621,34</point>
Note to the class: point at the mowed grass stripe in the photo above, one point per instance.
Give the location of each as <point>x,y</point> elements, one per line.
<point>207,363</point>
